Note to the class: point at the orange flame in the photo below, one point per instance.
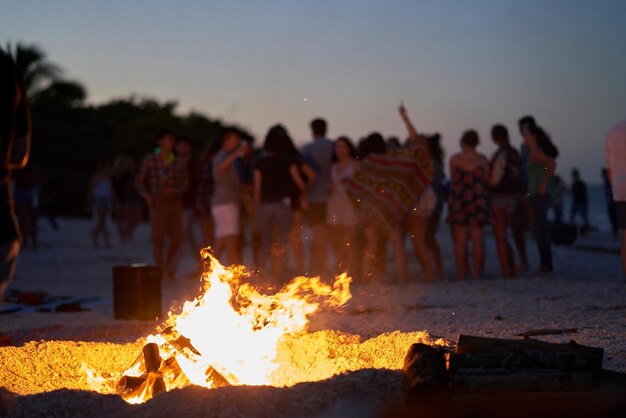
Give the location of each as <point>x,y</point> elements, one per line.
<point>233,329</point>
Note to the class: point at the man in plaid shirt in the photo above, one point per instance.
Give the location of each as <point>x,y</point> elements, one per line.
<point>161,181</point>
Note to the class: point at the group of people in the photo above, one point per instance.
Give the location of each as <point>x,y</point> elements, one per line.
<point>332,206</point>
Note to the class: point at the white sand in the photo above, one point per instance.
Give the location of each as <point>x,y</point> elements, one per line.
<point>587,293</point>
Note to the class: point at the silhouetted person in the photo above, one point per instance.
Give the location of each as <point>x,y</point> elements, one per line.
<point>505,187</point>
<point>580,200</point>
<point>468,204</point>
<point>244,166</point>
<point>183,152</point>
<point>15,129</point>
<point>615,150</point>
<point>318,155</point>
<point>100,201</point>
<point>341,218</point>
<point>438,187</point>
<point>298,211</point>
<point>275,174</point>
<point>204,195</point>
<point>419,218</point>
<point>521,213</point>
<point>26,196</point>
<point>540,164</point>
<point>226,199</point>
<point>128,203</point>
<point>161,181</point>
<point>47,202</point>
<point>560,190</point>
<point>610,203</point>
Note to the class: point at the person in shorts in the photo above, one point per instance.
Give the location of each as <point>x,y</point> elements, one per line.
<point>226,198</point>
<point>615,150</point>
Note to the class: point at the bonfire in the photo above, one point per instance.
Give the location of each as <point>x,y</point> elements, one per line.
<point>229,335</point>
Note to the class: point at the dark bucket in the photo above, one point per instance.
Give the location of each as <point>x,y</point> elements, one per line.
<point>137,292</point>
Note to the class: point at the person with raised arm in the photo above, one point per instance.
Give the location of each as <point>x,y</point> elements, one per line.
<point>226,197</point>
<point>419,217</point>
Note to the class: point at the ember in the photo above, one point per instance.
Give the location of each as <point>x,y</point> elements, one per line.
<point>227,336</point>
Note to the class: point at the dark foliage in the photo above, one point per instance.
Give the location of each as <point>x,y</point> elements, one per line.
<point>70,140</point>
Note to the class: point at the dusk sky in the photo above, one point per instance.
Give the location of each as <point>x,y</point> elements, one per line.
<point>456,64</point>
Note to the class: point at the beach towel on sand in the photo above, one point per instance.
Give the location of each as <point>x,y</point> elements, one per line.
<point>385,187</point>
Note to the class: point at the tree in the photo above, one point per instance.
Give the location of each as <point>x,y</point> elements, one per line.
<point>33,67</point>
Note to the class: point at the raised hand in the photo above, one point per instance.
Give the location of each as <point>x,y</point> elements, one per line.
<point>402,110</point>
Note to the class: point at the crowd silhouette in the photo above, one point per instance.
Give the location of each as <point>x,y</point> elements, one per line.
<point>335,206</point>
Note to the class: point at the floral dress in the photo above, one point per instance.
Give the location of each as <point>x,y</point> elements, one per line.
<point>469,199</point>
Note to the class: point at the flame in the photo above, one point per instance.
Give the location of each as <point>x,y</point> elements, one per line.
<point>229,335</point>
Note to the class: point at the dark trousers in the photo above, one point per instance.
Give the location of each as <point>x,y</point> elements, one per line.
<point>540,206</point>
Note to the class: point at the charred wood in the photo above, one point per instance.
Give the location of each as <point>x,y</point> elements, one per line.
<point>151,357</point>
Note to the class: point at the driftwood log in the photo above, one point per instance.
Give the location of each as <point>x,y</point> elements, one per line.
<point>425,374</point>
<point>492,353</point>
<point>480,363</point>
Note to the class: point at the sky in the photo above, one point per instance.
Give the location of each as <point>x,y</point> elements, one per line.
<point>456,64</point>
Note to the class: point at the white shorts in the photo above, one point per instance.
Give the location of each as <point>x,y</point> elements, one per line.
<point>226,218</point>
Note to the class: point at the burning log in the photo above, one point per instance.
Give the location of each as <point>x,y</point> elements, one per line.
<point>216,377</point>
<point>183,345</point>
<point>491,353</point>
<point>151,357</point>
<point>128,384</point>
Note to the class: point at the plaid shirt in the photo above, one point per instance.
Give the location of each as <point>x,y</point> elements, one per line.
<point>156,176</point>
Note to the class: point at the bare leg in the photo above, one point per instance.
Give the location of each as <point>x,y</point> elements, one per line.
<point>318,263</point>
<point>518,226</point>
<point>417,226</point>
<point>499,233</point>
<point>157,252</point>
<point>459,232</point>
<point>232,245</point>
<point>208,238</point>
<point>433,245</point>
<point>220,245</point>
<point>478,250</point>
<point>296,240</point>
<point>172,251</point>
<point>396,238</point>
<point>370,251</point>
<point>337,240</point>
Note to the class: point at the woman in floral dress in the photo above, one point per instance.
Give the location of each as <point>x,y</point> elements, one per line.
<point>468,204</point>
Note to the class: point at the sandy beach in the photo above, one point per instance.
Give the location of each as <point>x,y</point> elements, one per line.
<point>586,297</point>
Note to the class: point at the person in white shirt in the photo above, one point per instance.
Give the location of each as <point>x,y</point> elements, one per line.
<point>616,164</point>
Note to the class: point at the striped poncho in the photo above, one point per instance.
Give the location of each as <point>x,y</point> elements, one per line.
<point>385,187</point>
